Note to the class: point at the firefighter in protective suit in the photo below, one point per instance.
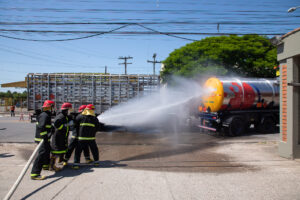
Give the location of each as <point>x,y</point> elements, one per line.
<point>43,132</point>
<point>74,140</point>
<point>59,141</point>
<point>88,126</point>
<point>38,138</point>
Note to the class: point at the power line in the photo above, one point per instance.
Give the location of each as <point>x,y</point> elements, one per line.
<point>152,31</point>
<point>125,63</point>
<point>113,31</point>
<point>147,23</point>
<point>168,34</point>
<point>68,39</point>
<point>69,23</point>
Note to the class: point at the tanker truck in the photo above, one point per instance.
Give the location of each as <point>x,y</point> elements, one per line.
<point>233,105</point>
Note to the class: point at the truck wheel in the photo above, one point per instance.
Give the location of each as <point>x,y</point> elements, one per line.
<point>267,125</point>
<point>236,126</point>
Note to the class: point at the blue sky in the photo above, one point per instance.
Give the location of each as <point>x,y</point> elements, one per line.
<point>17,58</point>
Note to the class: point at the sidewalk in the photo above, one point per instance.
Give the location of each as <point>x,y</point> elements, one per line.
<point>201,168</point>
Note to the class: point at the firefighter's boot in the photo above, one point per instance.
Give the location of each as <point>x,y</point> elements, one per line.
<point>75,166</point>
<point>37,177</point>
<point>64,162</point>
<point>89,161</point>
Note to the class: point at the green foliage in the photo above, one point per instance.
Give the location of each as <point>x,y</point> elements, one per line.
<point>14,95</point>
<point>249,55</point>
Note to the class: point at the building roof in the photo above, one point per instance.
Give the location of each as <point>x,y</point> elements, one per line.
<point>290,33</point>
<point>19,84</point>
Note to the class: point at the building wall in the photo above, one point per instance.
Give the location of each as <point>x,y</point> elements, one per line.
<point>296,106</point>
<point>290,47</point>
<point>289,58</point>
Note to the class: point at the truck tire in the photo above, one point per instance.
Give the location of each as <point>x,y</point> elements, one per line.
<point>236,126</point>
<point>267,124</point>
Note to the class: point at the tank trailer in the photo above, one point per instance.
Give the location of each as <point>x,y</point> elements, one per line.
<point>233,105</point>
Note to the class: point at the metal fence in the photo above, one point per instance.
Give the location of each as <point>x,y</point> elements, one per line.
<point>102,90</point>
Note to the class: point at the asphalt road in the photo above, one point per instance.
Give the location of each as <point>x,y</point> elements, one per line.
<point>14,130</point>
<point>149,164</point>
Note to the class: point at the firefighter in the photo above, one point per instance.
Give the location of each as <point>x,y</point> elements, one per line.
<point>88,126</point>
<point>74,141</point>
<point>59,141</point>
<point>43,132</point>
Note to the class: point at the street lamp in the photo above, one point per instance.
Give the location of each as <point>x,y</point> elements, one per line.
<point>292,9</point>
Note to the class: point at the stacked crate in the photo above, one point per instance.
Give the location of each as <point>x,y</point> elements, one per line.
<point>102,90</point>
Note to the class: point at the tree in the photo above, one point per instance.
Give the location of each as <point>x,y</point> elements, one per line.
<point>8,94</point>
<point>24,95</point>
<point>249,55</point>
<point>14,96</point>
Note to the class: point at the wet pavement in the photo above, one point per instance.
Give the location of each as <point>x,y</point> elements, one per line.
<point>150,164</point>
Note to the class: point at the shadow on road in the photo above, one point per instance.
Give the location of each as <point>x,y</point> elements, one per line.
<point>5,155</point>
<point>110,164</point>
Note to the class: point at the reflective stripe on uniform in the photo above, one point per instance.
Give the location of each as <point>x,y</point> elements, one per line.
<point>67,127</point>
<point>38,139</point>
<point>43,133</point>
<point>67,131</point>
<point>61,127</point>
<point>48,126</point>
<point>59,152</point>
<point>73,137</point>
<point>86,138</point>
<point>34,174</point>
<point>87,124</point>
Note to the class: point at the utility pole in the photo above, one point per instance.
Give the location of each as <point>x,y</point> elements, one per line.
<point>105,70</point>
<point>125,62</point>
<point>154,62</point>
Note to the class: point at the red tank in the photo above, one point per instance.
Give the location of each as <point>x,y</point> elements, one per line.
<point>240,94</point>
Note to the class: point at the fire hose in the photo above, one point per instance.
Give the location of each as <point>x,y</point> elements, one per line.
<point>16,184</point>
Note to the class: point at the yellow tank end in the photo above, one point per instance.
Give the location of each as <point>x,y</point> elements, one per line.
<point>214,94</point>
<point>200,108</point>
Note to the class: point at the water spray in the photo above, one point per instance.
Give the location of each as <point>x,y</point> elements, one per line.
<point>155,108</point>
